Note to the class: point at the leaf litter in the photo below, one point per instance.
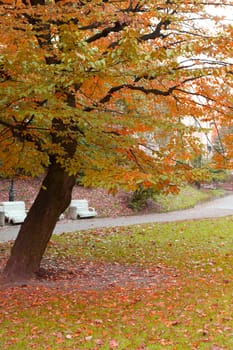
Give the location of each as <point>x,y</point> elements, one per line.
<point>100,276</point>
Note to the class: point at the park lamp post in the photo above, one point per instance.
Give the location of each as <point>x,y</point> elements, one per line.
<point>11,191</point>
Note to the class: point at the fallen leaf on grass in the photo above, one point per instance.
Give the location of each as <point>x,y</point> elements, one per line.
<point>113,344</point>
<point>99,342</point>
<point>88,338</point>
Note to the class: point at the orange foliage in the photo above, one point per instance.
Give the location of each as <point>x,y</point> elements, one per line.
<point>118,77</point>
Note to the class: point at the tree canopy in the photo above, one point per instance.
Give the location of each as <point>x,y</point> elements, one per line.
<point>102,75</point>
<point>102,88</point>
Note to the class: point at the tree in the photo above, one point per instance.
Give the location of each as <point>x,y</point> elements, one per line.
<point>81,83</point>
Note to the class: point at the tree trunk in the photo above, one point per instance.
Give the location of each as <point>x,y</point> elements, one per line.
<point>34,235</point>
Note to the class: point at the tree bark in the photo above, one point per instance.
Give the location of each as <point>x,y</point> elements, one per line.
<point>35,233</point>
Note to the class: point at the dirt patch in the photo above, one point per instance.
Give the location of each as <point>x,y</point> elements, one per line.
<point>104,276</point>
<point>95,276</point>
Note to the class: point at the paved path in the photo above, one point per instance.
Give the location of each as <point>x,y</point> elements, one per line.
<point>216,208</point>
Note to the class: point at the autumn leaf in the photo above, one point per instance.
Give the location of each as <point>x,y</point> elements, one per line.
<point>113,344</point>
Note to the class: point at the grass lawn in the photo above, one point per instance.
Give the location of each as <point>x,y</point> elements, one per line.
<point>157,286</point>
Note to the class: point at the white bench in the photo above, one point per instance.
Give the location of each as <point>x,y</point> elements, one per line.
<point>79,208</point>
<point>14,212</point>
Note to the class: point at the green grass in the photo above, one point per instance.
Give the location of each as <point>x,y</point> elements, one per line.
<point>187,197</point>
<point>193,309</point>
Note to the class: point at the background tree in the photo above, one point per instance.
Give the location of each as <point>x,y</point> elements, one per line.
<point>81,82</point>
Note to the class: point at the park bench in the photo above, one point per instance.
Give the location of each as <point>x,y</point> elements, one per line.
<point>79,209</point>
<point>14,212</point>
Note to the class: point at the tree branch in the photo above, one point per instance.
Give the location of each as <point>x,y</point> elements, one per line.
<point>104,33</point>
<point>157,32</point>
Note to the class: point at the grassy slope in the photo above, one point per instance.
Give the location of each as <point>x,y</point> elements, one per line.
<point>193,311</point>
<point>188,197</point>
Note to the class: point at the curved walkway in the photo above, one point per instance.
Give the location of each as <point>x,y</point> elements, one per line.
<point>216,208</point>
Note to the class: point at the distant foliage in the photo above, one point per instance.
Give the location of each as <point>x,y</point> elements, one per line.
<point>140,197</point>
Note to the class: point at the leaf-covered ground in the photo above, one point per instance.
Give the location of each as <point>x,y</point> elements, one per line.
<point>160,286</point>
